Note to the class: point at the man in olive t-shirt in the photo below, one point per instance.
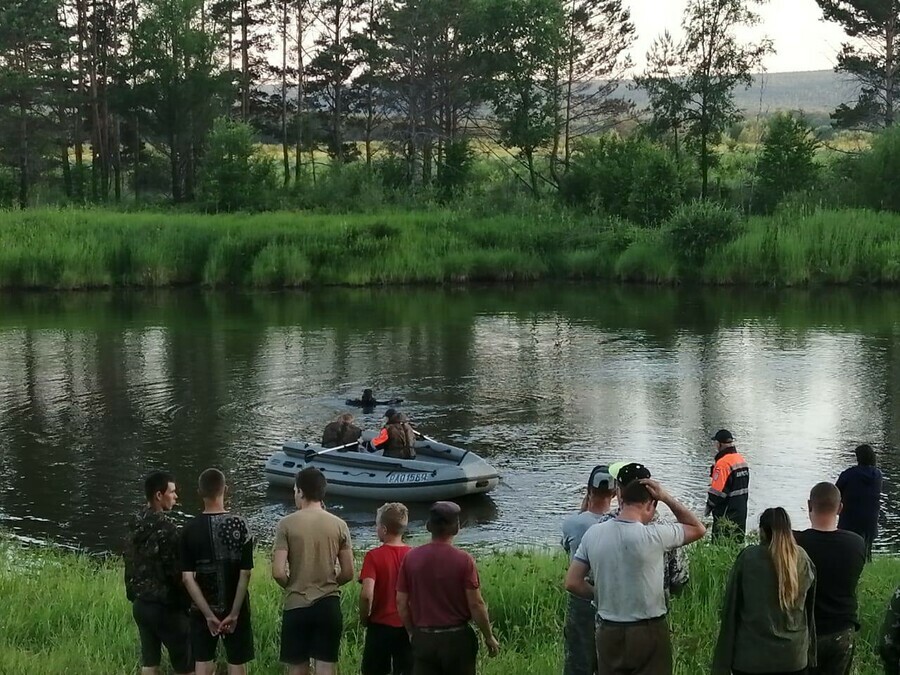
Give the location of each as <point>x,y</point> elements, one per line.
<point>309,545</point>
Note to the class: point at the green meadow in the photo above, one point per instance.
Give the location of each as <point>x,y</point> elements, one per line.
<point>67,613</point>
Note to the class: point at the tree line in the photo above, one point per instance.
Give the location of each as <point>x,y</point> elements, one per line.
<point>108,98</point>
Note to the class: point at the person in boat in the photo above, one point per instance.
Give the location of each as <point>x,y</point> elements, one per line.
<point>341,431</point>
<point>397,438</point>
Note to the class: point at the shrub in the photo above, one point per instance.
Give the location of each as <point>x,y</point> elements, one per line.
<point>456,171</point>
<point>9,189</point>
<point>878,173</point>
<point>695,230</point>
<point>233,175</point>
<point>631,179</point>
<point>787,162</point>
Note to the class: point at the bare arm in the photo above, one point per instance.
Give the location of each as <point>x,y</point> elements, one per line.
<point>190,583</point>
<point>345,560</point>
<point>576,582</point>
<point>280,571</point>
<point>241,593</point>
<point>693,528</point>
<point>403,611</point>
<point>479,612</point>
<point>365,600</point>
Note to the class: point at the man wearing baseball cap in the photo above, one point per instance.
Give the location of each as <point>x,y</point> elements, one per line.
<point>438,594</point>
<point>580,644</point>
<point>625,555</point>
<point>729,489</point>
<point>676,573</point>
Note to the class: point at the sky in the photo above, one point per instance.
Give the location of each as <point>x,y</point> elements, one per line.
<point>802,40</point>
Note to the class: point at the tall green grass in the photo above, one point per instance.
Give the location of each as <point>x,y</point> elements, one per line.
<point>95,248</point>
<point>67,613</point>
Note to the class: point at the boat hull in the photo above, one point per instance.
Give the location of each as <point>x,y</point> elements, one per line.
<point>439,472</point>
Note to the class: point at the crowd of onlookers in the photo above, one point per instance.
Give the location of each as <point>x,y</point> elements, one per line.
<point>189,586</point>
<point>790,601</point>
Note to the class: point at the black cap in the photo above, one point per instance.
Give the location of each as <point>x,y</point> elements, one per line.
<point>444,512</point>
<point>628,473</point>
<point>602,478</point>
<point>390,412</point>
<point>723,436</point>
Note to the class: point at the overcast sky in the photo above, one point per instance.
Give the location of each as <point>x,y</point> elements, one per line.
<point>802,40</point>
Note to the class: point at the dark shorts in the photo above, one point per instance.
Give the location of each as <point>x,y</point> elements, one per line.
<point>387,651</point>
<point>450,653</point>
<point>312,632</point>
<point>160,625</point>
<point>238,645</point>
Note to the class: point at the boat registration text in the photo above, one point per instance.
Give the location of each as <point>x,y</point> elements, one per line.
<point>407,478</point>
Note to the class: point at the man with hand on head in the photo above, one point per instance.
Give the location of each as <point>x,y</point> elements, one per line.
<point>438,593</point>
<point>311,560</point>
<point>625,557</point>
<point>580,645</point>
<point>216,561</point>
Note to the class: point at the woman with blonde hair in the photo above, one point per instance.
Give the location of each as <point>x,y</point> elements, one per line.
<point>767,618</point>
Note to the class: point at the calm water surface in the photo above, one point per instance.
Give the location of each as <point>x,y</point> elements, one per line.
<point>545,381</point>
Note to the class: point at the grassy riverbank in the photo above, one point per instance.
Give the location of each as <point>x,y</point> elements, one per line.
<point>66,613</point>
<point>96,248</point>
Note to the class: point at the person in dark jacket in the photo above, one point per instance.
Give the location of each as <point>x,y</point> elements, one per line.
<point>398,438</point>
<point>768,617</point>
<point>153,579</point>
<point>340,432</point>
<point>729,489</point>
<point>860,488</point>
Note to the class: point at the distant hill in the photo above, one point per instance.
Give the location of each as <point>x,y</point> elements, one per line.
<point>817,91</point>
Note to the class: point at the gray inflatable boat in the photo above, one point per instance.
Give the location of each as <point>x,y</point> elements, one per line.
<point>439,471</point>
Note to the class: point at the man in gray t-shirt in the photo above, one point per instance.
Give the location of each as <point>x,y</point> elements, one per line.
<point>580,648</point>
<point>625,556</point>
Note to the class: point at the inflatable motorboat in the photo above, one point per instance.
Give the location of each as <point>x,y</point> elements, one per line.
<point>439,471</point>
<point>371,403</point>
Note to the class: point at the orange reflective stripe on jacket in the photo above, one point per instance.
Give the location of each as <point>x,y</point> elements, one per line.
<point>381,438</point>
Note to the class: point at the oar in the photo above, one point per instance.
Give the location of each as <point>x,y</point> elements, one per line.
<point>325,452</point>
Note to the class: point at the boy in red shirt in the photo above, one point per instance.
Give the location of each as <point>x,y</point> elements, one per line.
<point>387,647</point>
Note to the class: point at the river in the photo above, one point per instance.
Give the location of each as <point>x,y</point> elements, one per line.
<point>545,381</point>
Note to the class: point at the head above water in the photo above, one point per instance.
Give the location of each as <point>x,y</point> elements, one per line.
<point>368,395</point>
<point>443,520</point>
<point>310,485</point>
<point>159,489</point>
<point>865,455</point>
<point>211,485</point>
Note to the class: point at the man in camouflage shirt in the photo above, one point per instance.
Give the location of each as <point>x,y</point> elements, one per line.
<point>889,642</point>
<point>153,579</point>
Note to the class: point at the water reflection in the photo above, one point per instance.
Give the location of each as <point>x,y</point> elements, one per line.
<point>97,389</point>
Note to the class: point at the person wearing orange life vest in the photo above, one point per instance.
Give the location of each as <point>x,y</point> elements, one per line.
<point>729,489</point>
<point>398,438</point>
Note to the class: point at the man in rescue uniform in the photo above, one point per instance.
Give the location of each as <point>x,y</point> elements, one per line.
<point>729,489</point>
